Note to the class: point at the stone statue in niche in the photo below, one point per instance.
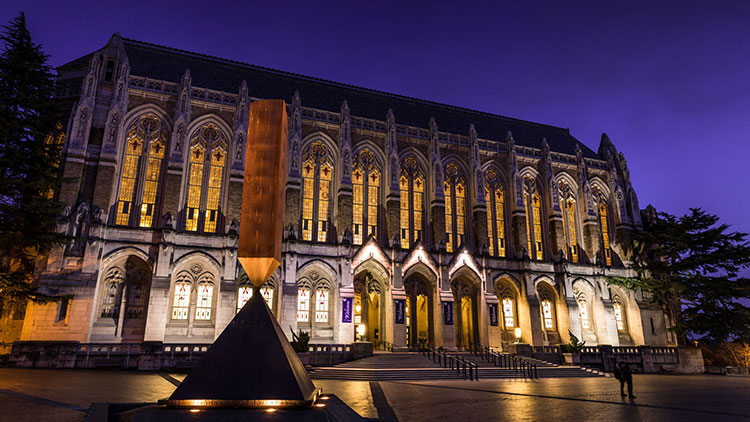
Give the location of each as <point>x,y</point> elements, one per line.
<point>167,221</point>
<point>346,238</point>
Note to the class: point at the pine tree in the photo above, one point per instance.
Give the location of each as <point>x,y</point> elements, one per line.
<point>30,154</point>
<point>691,267</point>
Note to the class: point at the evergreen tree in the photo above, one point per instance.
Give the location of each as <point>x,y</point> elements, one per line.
<point>691,266</point>
<point>29,162</point>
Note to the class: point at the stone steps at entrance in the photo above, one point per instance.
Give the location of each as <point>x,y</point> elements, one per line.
<point>413,366</point>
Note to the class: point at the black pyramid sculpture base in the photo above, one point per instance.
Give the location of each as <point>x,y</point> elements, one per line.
<point>251,365</point>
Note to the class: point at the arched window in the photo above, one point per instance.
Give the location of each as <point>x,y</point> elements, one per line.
<point>619,313</point>
<point>604,229</point>
<point>204,303</point>
<point>138,287</point>
<point>244,293</point>
<point>455,207</point>
<point>509,319</point>
<point>181,303</point>
<point>412,201</point>
<point>366,180</point>
<point>114,282</point>
<point>583,312</point>
<point>303,304</point>
<point>109,72</point>
<point>533,203</point>
<point>495,196</point>
<point>321,304</point>
<point>267,292</point>
<point>568,207</point>
<point>548,314</point>
<point>208,154</point>
<point>148,136</point>
<point>317,174</point>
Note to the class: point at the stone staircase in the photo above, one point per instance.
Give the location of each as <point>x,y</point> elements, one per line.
<point>413,366</point>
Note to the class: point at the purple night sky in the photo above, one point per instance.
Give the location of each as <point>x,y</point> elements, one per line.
<point>668,83</point>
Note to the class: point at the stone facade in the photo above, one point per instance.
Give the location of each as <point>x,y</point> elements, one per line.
<point>154,165</point>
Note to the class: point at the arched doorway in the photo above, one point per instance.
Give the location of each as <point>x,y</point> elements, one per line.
<point>369,309</point>
<point>465,294</point>
<point>124,304</point>
<point>419,312</point>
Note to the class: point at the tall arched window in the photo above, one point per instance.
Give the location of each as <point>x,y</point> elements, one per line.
<point>244,293</point>
<point>509,319</point>
<point>495,196</point>
<point>181,301</point>
<point>412,201</point>
<point>114,281</point>
<point>208,154</point>
<point>303,303</point>
<point>604,229</point>
<point>548,314</point>
<point>204,304</point>
<point>366,180</point>
<point>619,313</point>
<point>568,207</point>
<point>533,203</point>
<point>583,312</point>
<point>245,290</point>
<point>321,304</point>
<point>313,299</point>
<point>182,296</point>
<point>317,174</point>
<point>455,207</point>
<point>144,153</point>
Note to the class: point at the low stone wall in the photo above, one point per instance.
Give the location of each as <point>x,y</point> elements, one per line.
<point>150,356</point>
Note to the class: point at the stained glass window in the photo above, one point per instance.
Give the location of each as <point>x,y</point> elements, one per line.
<point>455,208</point>
<point>127,182</point>
<point>366,182</point>
<point>604,226</point>
<point>317,177</point>
<point>203,306</point>
<point>547,314</point>
<point>151,185</point>
<point>181,300</point>
<point>244,294</point>
<point>267,293</point>
<point>495,213</point>
<point>208,152</point>
<point>412,201</point>
<point>111,301</point>
<point>508,313</point>
<point>321,305</point>
<point>583,311</point>
<point>619,320</point>
<point>303,304</point>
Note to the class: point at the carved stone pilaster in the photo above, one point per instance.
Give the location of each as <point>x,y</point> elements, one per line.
<point>392,151</point>
<point>84,110</point>
<point>345,145</point>
<point>181,119</point>
<point>436,162</point>
<point>117,110</point>
<point>239,128</point>
<point>295,136</point>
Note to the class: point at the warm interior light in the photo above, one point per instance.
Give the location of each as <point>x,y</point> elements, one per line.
<point>194,410</point>
<point>320,405</point>
<point>358,308</point>
<point>323,397</point>
<point>361,329</point>
<point>271,410</point>
<point>518,332</point>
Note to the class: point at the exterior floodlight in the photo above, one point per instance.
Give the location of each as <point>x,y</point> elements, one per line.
<point>518,334</point>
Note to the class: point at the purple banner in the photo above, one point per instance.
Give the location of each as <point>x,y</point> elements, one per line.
<point>448,313</point>
<point>346,309</point>
<point>400,311</point>
<point>493,314</point>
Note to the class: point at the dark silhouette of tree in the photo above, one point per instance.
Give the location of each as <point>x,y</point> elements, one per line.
<point>30,150</point>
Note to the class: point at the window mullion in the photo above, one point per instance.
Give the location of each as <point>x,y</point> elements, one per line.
<point>315,221</point>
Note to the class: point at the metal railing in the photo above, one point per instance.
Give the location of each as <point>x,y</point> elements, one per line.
<point>519,365</point>
<point>463,367</point>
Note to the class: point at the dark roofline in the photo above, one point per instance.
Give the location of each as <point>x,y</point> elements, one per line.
<point>343,85</point>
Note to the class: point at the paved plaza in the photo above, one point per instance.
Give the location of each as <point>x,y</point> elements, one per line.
<point>64,395</point>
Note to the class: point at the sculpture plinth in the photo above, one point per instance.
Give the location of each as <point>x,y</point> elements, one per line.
<point>252,364</point>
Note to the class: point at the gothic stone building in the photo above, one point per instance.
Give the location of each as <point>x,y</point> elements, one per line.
<point>406,221</point>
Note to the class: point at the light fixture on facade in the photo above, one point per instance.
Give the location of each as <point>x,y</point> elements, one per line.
<point>518,334</point>
<point>361,330</point>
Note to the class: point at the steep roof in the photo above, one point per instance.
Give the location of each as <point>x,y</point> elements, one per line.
<point>169,64</point>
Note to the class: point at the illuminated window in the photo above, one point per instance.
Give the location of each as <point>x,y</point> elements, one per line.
<point>267,292</point>
<point>509,320</point>
<point>495,213</point>
<point>619,318</point>
<point>455,208</point>
<point>533,204</point>
<point>583,312</point>
<point>181,300</point>
<point>366,181</point>
<point>243,295</point>
<point>203,306</point>
<point>149,132</point>
<point>604,227</point>
<point>303,304</point>
<point>321,305</point>
<point>208,153</point>
<point>317,174</point>
<point>412,201</point>
<point>568,207</point>
<point>549,322</point>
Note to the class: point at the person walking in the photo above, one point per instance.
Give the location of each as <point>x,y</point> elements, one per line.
<point>625,375</point>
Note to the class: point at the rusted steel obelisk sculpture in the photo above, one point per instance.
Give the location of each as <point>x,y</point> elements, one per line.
<point>252,364</point>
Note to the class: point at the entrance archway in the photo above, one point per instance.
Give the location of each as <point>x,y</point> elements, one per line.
<point>419,312</point>
<point>466,298</point>
<point>369,309</point>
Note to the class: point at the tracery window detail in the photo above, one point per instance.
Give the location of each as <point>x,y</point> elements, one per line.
<point>619,316</point>
<point>303,304</point>
<point>604,228</point>
<point>547,314</point>
<point>495,196</point>
<point>321,304</point>
<point>455,208</point>
<point>244,293</point>
<point>208,152</point>
<point>114,282</point>
<point>181,300</point>
<point>145,135</point>
<point>203,305</point>
<point>313,299</point>
<point>508,317</point>
<point>568,207</point>
<point>317,174</point>
<point>583,312</point>
<point>412,201</point>
<point>366,180</point>
<point>533,205</point>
